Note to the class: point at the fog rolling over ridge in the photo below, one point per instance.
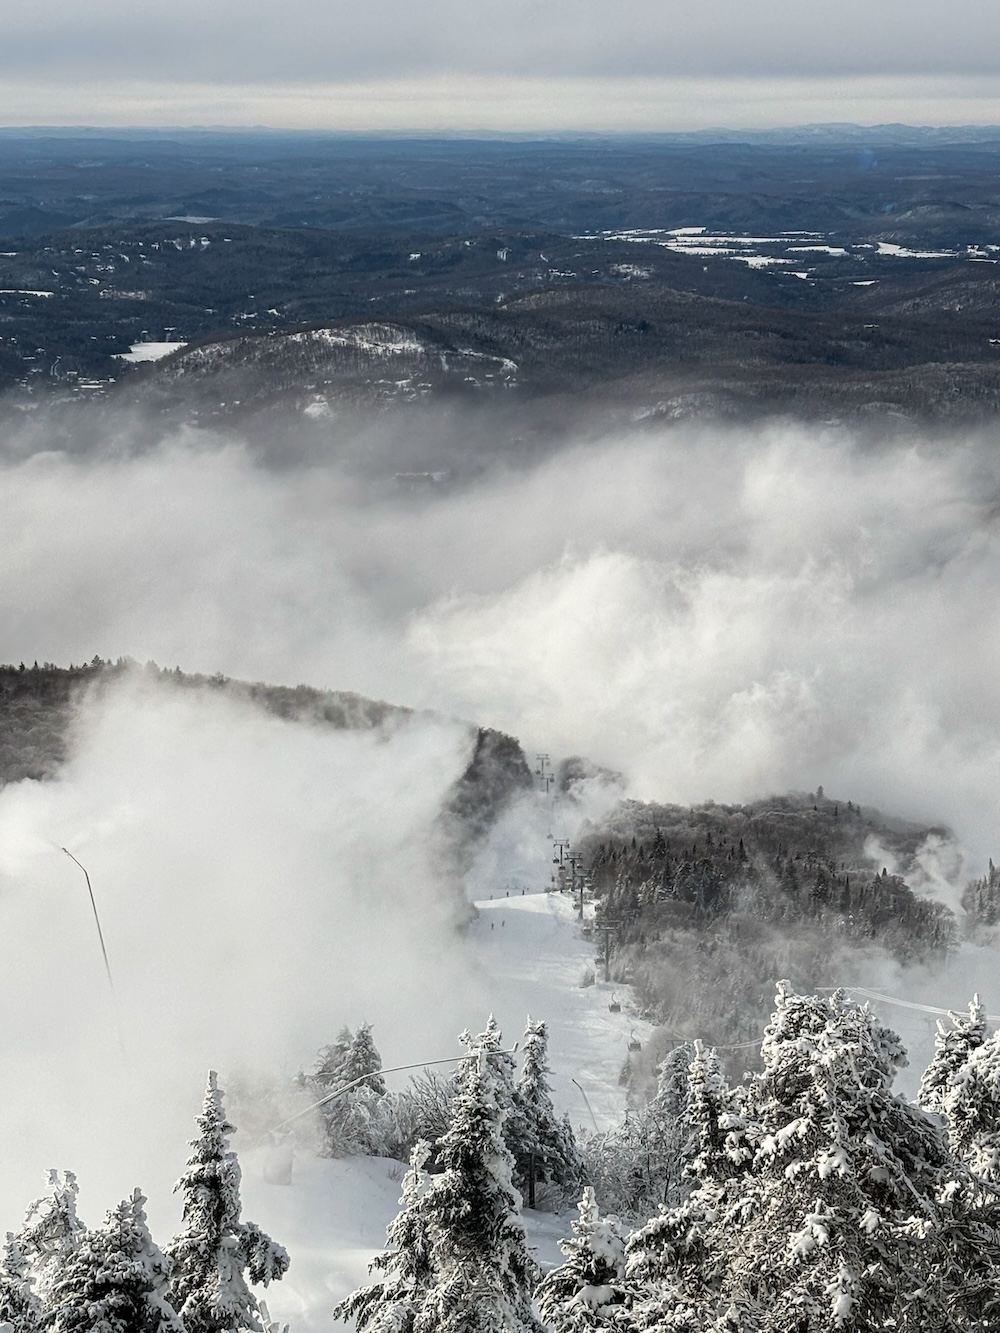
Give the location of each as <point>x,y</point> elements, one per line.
<point>715,614</point>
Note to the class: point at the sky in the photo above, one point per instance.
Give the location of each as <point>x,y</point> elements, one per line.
<point>524,66</point>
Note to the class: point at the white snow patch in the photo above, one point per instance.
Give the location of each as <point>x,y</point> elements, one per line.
<point>149,351</point>
<point>902,252</point>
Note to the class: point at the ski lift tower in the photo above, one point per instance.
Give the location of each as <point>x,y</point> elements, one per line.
<point>577,879</point>
<point>546,779</point>
<point>560,848</point>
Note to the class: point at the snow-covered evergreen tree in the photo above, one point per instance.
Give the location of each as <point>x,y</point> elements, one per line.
<point>114,1281</point>
<point>20,1308</point>
<point>640,1165</point>
<point>52,1230</point>
<point>348,1080</point>
<point>330,1062</point>
<point>214,1248</point>
<point>542,1143</point>
<point>483,1272</point>
<point>821,1201</point>
<point>392,1303</point>
<point>490,1041</point>
<point>970,1105</point>
<point>362,1063</point>
<point>587,1291</point>
<point>952,1047</point>
<point>466,1267</point>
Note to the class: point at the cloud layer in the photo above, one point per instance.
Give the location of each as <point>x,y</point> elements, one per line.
<point>301,41</point>
<point>716,614</point>
<point>527,66</point>
<point>260,884</point>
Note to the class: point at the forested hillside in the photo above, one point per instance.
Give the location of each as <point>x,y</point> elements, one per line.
<point>703,908</point>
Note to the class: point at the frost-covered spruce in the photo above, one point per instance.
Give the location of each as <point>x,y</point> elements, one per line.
<point>821,1201</point>
<point>362,1063</point>
<point>52,1230</point>
<point>391,1304</point>
<point>214,1248</point>
<point>114,1281</point>
<point>543,1144</point>
<point>20,1307</point>
<point>363,1114</point>
<point>348,1075</point>
<point>952,1047</point>
<point>970,1105</point>
<point>587,1291</point>
<point>483,1273</point>
<point>641,1164</point>
<point>466,1268</point>
<point>330,1061</point>
<point>490,1041</point>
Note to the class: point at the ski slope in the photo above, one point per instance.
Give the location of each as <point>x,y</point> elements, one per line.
<point>531,948</point>
<point>530,952</point>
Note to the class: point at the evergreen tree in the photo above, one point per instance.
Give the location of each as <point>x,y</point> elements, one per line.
<point>391,1304</point>
<point>490,1041</point>
<point>356,1120</point>
<point>640,1165</point>
<point>952,1047</point>
<point>330,1061</point>
<point>51,1231</point>
<point>483,1273</point>
<point>543,1144</point>
<point>970,1105</point>
<point>461,1263</point>
<point>20,1308</point>
<point>214,1247</point>
<point>587,1291</point>
<point>114,1281</point>
<point>821,1200</point>
<point>362,1063</point>
<point>348,1075</point>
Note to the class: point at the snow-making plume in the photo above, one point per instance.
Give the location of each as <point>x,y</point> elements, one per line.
<point>711,613</point>
<point>262,884</point>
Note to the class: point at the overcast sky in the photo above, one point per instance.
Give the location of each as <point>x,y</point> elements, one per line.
<point>524,64</point>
